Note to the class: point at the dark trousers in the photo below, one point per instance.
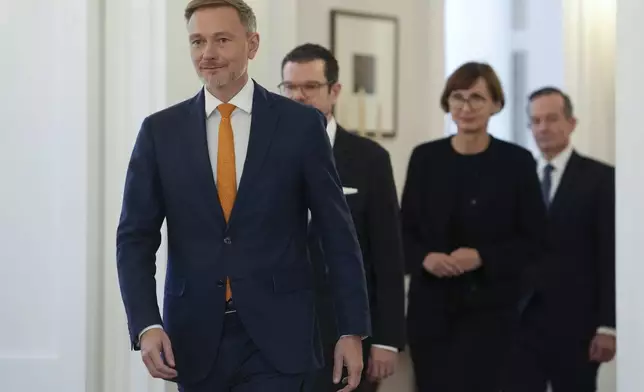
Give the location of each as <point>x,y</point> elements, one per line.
<point>322,380</point>
<point>547,351</point>
<point>462,351</point>
<point>241,367</point>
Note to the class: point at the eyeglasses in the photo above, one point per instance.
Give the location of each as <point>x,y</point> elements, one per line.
<point>307,89</point>
<point>457,102</point>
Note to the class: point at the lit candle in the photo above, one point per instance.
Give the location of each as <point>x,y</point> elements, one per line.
<point>361,111</point>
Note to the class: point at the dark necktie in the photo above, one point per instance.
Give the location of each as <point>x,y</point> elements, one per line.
<point>546,183</point>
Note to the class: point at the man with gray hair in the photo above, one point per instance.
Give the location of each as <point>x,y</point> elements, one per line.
<point>234,171</point>
<point>568,325</point>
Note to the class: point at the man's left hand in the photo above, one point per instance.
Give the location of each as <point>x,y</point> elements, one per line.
<point>467,259</point>
<point>603,348</point>
<point>382,364</point>
<point>348,352</point>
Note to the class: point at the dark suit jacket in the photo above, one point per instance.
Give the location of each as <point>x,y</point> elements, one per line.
<point>365,166</point>
<point>505,221</point>
<point>576,279</point>
<point>289,169</point>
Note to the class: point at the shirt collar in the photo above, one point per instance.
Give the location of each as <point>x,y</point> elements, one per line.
<point>331,129</point>
<point>559,162</point>
<point>242,100</point>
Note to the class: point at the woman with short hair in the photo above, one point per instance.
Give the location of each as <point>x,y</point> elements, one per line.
<point>473,218</point>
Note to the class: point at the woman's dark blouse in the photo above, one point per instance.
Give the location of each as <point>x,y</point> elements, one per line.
<point>489,201</point>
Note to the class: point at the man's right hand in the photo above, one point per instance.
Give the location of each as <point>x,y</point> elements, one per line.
<point>155,346</point>
<point>441,265</point>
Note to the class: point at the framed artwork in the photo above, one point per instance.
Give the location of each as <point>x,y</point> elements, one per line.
<point>366,46</point>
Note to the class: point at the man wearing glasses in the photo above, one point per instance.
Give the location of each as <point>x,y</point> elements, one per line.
<point>310,76</point>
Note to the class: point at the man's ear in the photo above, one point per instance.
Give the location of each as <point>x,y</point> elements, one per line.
<point>336,88</point>
<point>253,43</point>
<point>573,121</point>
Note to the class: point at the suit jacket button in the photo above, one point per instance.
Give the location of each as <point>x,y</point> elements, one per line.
<point>227,241</point>
<point>220,283</point>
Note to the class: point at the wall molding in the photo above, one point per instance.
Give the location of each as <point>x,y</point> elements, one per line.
<point>134,87</point>
<point>95,193</point>
<point>590,41</point>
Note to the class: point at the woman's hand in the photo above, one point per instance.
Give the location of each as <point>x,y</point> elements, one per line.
<point>467,259</point>
<point>442,265</point>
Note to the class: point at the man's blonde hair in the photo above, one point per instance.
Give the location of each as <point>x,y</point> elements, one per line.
<point>246,14</point>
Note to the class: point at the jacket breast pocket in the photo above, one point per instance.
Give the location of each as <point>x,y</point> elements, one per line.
<point>356,201</point>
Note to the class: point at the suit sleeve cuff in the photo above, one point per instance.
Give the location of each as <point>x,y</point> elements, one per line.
<point>607,331</point>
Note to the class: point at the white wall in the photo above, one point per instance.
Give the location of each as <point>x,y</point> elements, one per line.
<point>181,80</point>
<point>421,65</point>
<point>630,194</point>
<point>466,39</point>
<point>590,73</point>
<point>135,77</point>
<point>541,38</point>
<point>48,224</point>
<point>588,45</point>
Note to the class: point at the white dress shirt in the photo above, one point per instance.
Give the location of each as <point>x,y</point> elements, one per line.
<point>559,164</point>
<point>332,129</point>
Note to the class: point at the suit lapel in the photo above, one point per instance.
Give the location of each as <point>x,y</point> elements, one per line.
<point>564,194</point>
<point>262,128</point>
<point>197,139</point>
<point>341,152</point>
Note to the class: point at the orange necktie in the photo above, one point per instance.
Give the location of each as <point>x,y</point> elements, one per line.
<point>226,173</point>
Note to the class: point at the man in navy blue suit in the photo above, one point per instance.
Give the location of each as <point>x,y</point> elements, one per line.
<point>234,171</point>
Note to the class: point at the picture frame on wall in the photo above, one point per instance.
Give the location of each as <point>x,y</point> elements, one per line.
<point>367,49</point>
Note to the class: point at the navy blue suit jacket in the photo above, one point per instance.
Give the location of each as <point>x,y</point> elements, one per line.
<point>289,169</point>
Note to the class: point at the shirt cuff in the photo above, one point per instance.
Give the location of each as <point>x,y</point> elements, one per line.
<point>389,348</point>
<point>149,328</point>
<point>607,331</point>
